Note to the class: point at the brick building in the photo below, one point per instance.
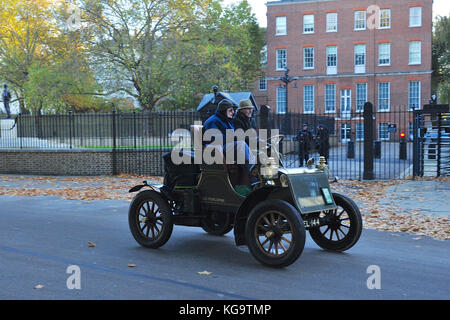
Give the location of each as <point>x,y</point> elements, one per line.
<point>343,53</point>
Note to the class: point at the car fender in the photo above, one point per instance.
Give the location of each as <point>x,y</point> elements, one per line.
<point>162,190</point>
<point>250,202</point>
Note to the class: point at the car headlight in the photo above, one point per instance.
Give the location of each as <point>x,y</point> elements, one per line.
<point>270,170</point>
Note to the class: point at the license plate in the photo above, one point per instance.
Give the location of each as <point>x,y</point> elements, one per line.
<point>311,223</point>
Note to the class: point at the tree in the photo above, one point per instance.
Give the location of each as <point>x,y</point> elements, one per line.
<point>133,41</point>
<point>24,29</point>
<point>45,63</point>
<point>224,48</point>
<point>441,59</point>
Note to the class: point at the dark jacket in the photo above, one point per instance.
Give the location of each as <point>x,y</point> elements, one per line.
<point>305,139</point>
<point>218,121</point>
<point>323,142</point>
<point>243,122</point>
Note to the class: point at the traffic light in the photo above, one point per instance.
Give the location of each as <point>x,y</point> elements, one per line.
<point>402,135</point>
<point>403,153</point>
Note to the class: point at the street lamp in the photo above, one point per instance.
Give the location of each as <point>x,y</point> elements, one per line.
<point>286,79</point>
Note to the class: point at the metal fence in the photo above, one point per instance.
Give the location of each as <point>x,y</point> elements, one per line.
<point>144,132</point>
<point>392,146</point>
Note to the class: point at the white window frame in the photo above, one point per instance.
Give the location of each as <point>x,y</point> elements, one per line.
<point>281,100</point>
<point>389,18</point>
<point>305,67</point>
<point>357,20</point>
<point>262,84</point>
<point>415,52</point>
<point>382,98</point>
<point>330,97</point>
<point>361,97</point>
<point>346,101</point>
<point>360,68</point>
<point>332,22</point>
<point>382,54</point>
<point>310,101</point>
<point>309,23</point>
<point>281,26</point>
<point>359,131</point>
<point>415,17</point>
<point>346,132</point>
<point>331,69</point>
<point>383,127</point>
<point>280,61</point>
<point>414,94</point>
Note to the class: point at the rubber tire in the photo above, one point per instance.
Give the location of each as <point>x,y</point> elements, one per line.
<point>298,233</point>
<point>353,234</point>
<point>166,214</point>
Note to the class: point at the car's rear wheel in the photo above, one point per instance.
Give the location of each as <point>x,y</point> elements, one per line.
<point>218,223</point>
<point>275,233</point>
<point>343,228</point>
<point>150,219</point>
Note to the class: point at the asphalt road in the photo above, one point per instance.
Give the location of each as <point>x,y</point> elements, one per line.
<point>40,237</point>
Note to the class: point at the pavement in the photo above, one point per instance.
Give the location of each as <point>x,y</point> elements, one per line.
<point>431,196</point>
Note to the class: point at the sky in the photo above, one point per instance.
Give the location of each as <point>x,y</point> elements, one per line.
<point>440,7</point>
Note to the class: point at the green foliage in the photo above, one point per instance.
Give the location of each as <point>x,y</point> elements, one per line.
<point>224,49</point>
<point>162,54</point>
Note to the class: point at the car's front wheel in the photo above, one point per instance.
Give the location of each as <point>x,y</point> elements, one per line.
<point>343,227</point>
<point>275,233</point>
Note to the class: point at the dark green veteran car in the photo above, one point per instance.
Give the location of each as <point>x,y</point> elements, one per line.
<point>270,215</point>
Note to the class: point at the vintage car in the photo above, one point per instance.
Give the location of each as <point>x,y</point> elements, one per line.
<point>270,215</point>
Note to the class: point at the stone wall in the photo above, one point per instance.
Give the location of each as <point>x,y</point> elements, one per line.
<point>81,162</point>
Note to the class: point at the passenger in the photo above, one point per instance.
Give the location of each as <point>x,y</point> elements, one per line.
<point>222,121</point>
<point>222,118</point>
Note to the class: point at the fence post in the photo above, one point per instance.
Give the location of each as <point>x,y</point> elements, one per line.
<point>368,141</point>
<point>134,128</point>
<point>416,143</point>
<point>114,135</point>
<point>438,151</point>
<point>70,128</point>
<point>19,125</point>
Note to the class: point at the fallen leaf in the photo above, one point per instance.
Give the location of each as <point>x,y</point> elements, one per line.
<point>204,272</point>
<point>91,244</point>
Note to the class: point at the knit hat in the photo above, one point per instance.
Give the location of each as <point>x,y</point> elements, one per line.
<point>224,105</point>
<point>245,104</point>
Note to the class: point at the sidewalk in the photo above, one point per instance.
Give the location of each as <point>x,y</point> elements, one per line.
<point>431,196</point>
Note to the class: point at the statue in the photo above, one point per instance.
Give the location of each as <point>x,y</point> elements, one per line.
<point>6,99</point>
